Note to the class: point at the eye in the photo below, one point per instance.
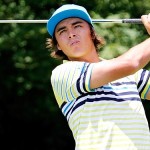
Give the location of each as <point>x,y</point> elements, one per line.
<point>62,31</point>
<point>77,26</point>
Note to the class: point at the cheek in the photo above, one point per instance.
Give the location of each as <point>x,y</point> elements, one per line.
<point>86,32</point>
<point>60,43</point>
<point>87,36</point>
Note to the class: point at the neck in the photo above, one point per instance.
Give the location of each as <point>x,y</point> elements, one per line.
<point>91,57</point>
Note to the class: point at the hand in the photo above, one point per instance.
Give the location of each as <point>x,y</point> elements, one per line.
<point>146,22</point>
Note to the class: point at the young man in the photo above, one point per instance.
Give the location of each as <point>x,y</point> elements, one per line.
<point>101,99</point>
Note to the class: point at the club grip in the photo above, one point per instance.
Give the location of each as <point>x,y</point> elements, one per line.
<point>136,21</point>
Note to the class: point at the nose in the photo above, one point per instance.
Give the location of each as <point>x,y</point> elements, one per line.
<point>72,34</point>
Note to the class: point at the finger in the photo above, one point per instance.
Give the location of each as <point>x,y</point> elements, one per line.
<point>144,18</point>
<point>146,21</point>
<point>148,18</point>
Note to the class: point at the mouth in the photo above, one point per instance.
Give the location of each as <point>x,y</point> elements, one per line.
<point>74,43</point>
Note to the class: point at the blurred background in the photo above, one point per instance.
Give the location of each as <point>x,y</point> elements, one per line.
<point>29,115</point>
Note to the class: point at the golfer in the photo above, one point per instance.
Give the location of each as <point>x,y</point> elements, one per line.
<point>101,99</point>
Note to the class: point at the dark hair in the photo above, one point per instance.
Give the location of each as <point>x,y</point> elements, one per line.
<point>51,43</point>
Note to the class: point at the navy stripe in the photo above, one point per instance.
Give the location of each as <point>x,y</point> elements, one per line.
<point>63,104</point>
<point>102,98</point>
<point>85,73</point>
<point>121,83</point>
<point>141,79</point>
<point>145,83</point>
<point>68,112</point>
<point>105,99</point>
<point>113,93</point>
<point>78,86</point>
<point>78,83</point>
<point>79,104</point>
<point>79,79</point>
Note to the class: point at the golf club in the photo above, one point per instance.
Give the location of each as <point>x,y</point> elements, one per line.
<point>132,21</point>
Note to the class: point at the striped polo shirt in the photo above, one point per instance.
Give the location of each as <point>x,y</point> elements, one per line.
<point>110,117</point>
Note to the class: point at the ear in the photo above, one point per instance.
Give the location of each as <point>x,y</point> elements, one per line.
<point>58,47</point>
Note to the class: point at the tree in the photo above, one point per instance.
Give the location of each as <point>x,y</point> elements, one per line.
<point>28,108</point>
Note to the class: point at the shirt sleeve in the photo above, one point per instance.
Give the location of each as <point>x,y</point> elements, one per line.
<point>70,80</point>
<point>142,78</point>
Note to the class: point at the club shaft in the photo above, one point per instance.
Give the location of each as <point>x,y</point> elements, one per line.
<point>133,21</point>
<point>23,21</point>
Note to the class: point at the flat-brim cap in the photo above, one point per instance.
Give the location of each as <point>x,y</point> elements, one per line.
<point>64,12</point>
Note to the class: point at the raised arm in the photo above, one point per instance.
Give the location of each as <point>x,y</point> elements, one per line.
<point>128,63</point>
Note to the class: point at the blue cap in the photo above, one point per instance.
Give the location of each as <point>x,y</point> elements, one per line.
<point>67,11</point>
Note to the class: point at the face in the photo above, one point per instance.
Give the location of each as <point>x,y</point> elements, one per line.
<point>74,38</point>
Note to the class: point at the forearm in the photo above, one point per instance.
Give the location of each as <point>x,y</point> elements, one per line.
<point>128,63</point>
<point>139,55</point>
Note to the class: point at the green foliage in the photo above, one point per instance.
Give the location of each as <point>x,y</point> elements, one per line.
<point>27,104</point>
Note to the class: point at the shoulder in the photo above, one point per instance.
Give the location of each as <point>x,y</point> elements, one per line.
<point>69,65</point>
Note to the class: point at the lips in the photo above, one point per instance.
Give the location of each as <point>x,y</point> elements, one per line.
<point>74,42</point>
